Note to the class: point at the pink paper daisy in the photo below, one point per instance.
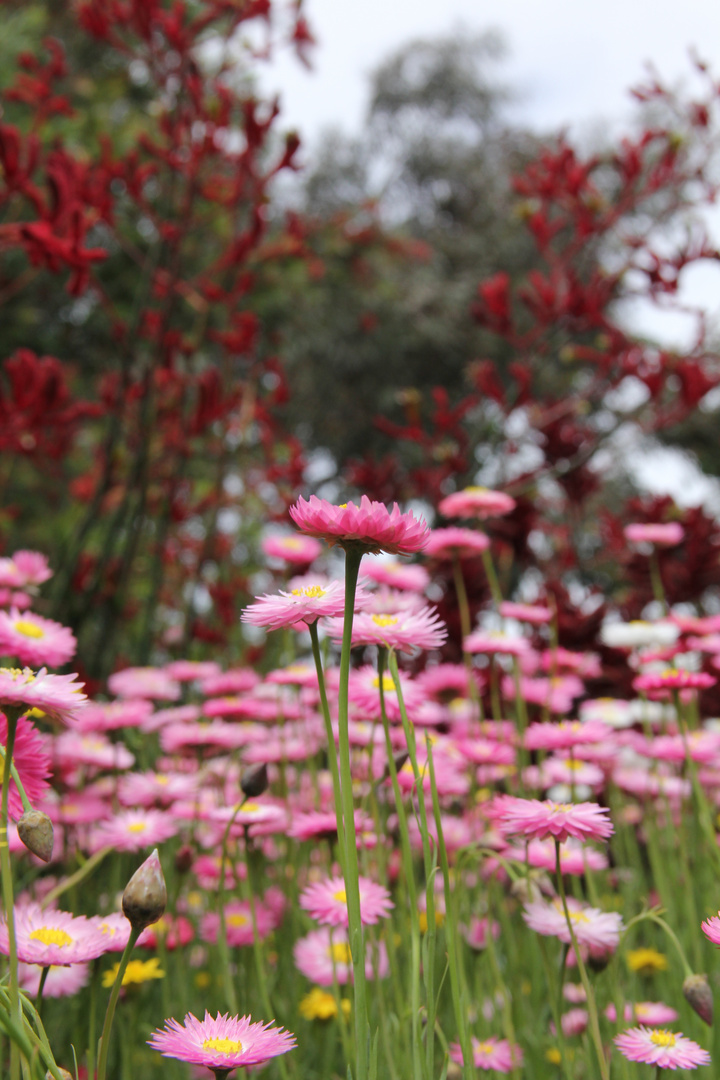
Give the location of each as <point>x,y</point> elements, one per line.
<point>24,568</point>
<point>662,534</point>
<point>711,929</point>
<point>299,550</point>
<point>134,830</point>
<point>238,923</point>
<point>532,818</point>
<point>300,606</point>
<point>447,543</point>
<point>221,1044</point>
<point>476,502</point>
<point>673,679</point>
<point>598,931</point>
<point>31,760</point>
<point>34,640</point>
<point>662,1048</point>
<point>52,937</point>
<point>326,901</point>
<point>536,614</point>
<point>144,682</point>
<point>59,696</point>
<point>496,1055</point>
<point>60,982</point>
<point>369,526</point>
<point>324,957</point>
<point>404,632</point>
<point>412,577</point>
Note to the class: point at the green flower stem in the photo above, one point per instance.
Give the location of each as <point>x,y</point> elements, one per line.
<point>429,864</point>
<point>701,804</point>
<point>590,996</point>
<point>84,871</point>
<point>26,805</point>
<point>104,1044</point>
<point>409,875</point>
<point>13,715</point>
<point>228,983</point>
<point>451,930</point>
<point>657,582</point>
<point>492,577</point>
<point>555,1007</point>
<point>332,752</point>
<point>346,812</point>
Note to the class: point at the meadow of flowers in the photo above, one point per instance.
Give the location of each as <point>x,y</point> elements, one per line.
<point>365,862</point>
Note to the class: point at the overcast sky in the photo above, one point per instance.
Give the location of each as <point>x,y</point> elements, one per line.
<point>570,61</point>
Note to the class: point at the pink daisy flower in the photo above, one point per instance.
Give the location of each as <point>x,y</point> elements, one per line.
<point>662,534</point>
<point>326,901</point>
<point>238,923</point>
<point>144,682</point>
<point>565,734</point>
<point>24,568</point>
<point>34,640</point>
<point>52,937</point>
<point>59,696</point>
<point>234,681</point>
<point>665,1049</point>
<point>299,550</point>
<point>370,525</point>
<point>134,830</point>
<point>496,1055</point>
<point>31,760</point>
<point>649,1013</point>
<point>711,929</point>
<point>221,1044</point>
<point>598,931</point>
<point>323,956</point>
<point>412,577</point>
<point>673,679</point>
<point>491,642</point>
<point>476,502</point>
<point>189,670</point>
<point>536,614</point>
<point>532,818</point>
<point>115,929</point>
<point>452,541</point>
<point>404,632</point>
<point>300,606</point>
<point>60,982</point>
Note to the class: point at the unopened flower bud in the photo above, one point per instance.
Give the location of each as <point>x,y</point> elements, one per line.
<point>254,781</point>
<point>698,994</point>
<point>145,896</point>
<point>36,832</point>
<point>184,858</point>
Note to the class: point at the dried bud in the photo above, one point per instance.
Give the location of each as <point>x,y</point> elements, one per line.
<point>145,896</point>
<point>184,858</point>
<point>254,781</point>
<point>36,832</point>
<point>698,994</point>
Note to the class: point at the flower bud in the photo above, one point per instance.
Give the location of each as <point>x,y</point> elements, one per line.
<point>145,896</point>
<point>36,832</point>
<point>184,858</point>
<point>254,781</point>
<point>698,994</point>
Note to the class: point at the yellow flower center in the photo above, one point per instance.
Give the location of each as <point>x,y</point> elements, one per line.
<point>384,620</point>
<point>313,592</point>
<point>51,935</point>
<point>237,919</point>
<point>250,808</point>
<point>388,684</point>
<point>475,489</point>
<point>292,543</point>
<point>340,952</point>
<point>579,917</point>
<point>137,827</point>
<point>484,1048</point>
<point>223,1046</point>
<point>561,807</point>
<point>340,896</point>
<point>28,629</point>
<point>662,1038</point>
<point>160,778</point>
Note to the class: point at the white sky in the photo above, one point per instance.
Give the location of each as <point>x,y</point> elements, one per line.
<point>573,61</point>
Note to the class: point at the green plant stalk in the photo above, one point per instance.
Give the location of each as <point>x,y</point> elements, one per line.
<point>104,1044</point>
<point>492,577</point>
<point>451,933</point>
<point>657,582</point>
<point>80,874</point>
<point>346,812</point>
<point>701,803</point>
<point>590,996</point>
<point>555,1008</point>
<point>429,966</point>
<point>13,715</point>
<point>26,805</point>
<point>409,873</point>
<point>332,753</point>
